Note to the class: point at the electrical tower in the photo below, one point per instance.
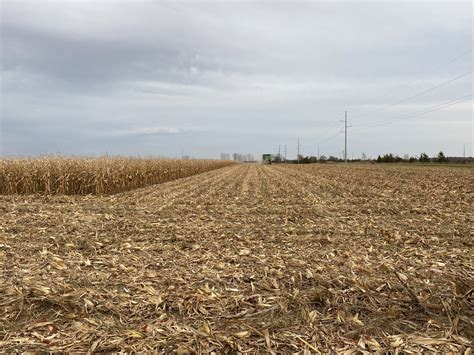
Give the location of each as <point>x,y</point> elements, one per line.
<point>298,156</point>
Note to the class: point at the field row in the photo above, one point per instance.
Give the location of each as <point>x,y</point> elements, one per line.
<point>98,176</point>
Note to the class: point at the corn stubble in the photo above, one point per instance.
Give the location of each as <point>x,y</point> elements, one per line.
<point>245,259</point>
<point>97,176</point>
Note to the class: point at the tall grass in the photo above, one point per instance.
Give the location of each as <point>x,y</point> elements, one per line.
<point>98,176</point>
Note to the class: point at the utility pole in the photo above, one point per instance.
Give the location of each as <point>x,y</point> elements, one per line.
<point>298,156</point>
<point>285,153</point>
<point>345,137</point>
<point>464,151</point>
<point>318,151</point>
<point>279,155</point>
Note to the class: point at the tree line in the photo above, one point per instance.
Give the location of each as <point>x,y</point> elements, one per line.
<point>385,158</point>
<point>423,158</point>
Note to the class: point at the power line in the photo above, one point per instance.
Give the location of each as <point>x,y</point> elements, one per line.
<point>416,95</point>
<point>368,124</point>
<point>434,68</point>
<point>450,61</point>
<point>406,116</point>
<point>329,129</point>
<point>416,113</point>
<point>330,137</point>
<point>420,112</point>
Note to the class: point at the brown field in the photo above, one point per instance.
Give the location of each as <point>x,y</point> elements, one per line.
<point>245,258</point>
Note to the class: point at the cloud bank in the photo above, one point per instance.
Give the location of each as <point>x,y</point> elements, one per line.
<point>153,77</point>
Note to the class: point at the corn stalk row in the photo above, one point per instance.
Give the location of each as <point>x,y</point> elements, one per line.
<point>97,176</point>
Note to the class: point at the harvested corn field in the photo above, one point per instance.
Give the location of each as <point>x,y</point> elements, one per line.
<point>82,176</point>
<point>245,258</point>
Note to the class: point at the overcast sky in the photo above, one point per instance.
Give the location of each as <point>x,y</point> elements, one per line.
<point>159,77</point>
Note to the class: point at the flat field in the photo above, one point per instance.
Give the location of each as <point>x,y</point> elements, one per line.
<point>245,258</point>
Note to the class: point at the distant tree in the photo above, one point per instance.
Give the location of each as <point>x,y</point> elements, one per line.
<point>441,158</point>
<point>238,157</point>
<point>364,156</point>
<point>389,158</point>
<point>412,160</point>
<point>333,158</point>
<point>225,156</point>
<point>424,158</point>
<point>406,157</point>
<point>322,159</point>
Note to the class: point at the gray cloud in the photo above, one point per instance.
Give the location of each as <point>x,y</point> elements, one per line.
<point>79,77</point>
<point>147,131</point>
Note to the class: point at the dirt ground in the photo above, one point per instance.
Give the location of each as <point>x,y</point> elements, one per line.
<point>245,258</point>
